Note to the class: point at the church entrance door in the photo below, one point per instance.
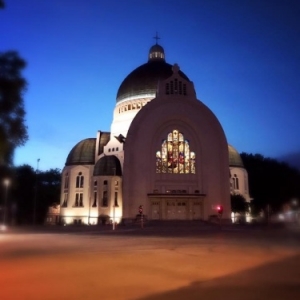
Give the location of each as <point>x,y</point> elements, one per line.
<point>155,210</point>
<point>171,209</point>
<point>197,210</point>
<point>176,209</point>
<point>181,210</point>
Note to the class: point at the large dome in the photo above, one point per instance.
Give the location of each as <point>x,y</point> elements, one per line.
<point>108,166</point>
<point>142,82</point>
<point>235,159</point>
<point>82,153</point>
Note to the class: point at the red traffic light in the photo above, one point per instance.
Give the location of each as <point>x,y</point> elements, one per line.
<point>220,209</point>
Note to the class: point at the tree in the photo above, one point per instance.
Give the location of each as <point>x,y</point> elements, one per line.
<point>33,192</point>
<point>23,193</point>
<point>13,131</point>
<point>2,5</point>
<point>48,193</point>
<point>238,203</point>
<point>271,183</point>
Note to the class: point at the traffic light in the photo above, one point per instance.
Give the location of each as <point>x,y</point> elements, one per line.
<point>220,209</point>
<point>141,209</point>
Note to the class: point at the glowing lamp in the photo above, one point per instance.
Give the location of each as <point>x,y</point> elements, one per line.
<point>220,209</point>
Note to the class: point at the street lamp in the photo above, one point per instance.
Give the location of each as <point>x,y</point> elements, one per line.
<point>114,207</point>
<point>36,190</point>
<point>6,183</point>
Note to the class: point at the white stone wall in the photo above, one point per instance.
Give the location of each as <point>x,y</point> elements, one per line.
<point>125,112</point>
<point>242,175</point>
<point>71,213</point>
<point>207,139</point>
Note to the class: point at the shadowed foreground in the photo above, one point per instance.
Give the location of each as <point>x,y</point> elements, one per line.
<point>278,280</point>
<point>113,266</point>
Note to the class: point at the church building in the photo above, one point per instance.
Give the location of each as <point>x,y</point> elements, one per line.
<point>166,156</point>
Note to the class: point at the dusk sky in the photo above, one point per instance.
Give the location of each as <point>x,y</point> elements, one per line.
<point>242,55</point>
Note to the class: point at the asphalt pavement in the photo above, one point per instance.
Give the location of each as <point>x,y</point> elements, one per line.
<point>163,260</point>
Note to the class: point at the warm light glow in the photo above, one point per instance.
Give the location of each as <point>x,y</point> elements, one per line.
<point>6,182</point>
<point>3,228</point>
<point>116,216</point>
<point>94,214</point>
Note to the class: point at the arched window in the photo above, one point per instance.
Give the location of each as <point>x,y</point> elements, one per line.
<point>66,184</point>
<point>79,180</point>
<point>246,183</point>
<point>78,200</point>
<point>175,155</point>
<point>104,199</point>
<point>116,200</point>
<point>105,194</point>
<point>235,182</point>
<point>65,201</point>
<point>95,199</point>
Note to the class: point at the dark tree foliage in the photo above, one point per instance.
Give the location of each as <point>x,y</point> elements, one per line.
<point>2,4</point>
<point>238,203</point>
<point>270,182</point>
<point>23,194</point>
<point>13,131</point>
<point>48,192</point>
<point>30,188</point>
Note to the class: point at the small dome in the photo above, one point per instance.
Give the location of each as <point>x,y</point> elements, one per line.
<point>108,166</point>
<point>82,153</point>
<point>156,52</point>
<point>235,159</point>
<point>142,82</point>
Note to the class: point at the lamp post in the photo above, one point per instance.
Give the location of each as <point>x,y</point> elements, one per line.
<point>6,183</point>
<point>36,190</point>
<point>114,207</point>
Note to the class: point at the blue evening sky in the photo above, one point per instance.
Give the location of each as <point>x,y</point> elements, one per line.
<point>242,55</point>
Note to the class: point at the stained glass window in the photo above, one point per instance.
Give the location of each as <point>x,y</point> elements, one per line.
<point>175,156</point>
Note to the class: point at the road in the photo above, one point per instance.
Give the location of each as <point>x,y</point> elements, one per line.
<point>158,262</point>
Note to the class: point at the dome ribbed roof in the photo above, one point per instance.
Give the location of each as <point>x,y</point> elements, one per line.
<point>156,48</point>
<point>108,166</point>
<point>82,153</point>
<point>143,80</point>
<point>235,159</point>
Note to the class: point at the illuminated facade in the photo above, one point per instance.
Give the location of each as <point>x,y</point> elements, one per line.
<point>165,151</point>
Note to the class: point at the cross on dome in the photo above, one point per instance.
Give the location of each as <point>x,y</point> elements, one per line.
<point>156,52</point>
<point>156,37</point>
